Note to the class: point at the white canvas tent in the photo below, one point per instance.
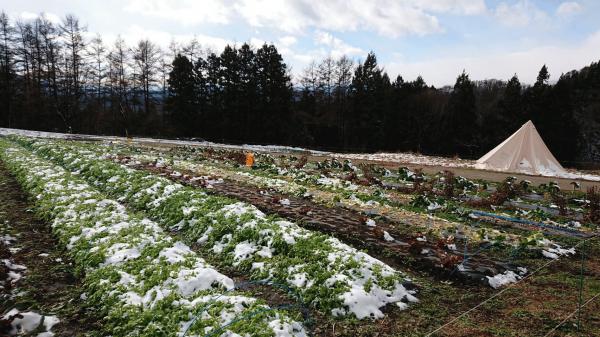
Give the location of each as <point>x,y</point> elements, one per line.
<point>523,152</point>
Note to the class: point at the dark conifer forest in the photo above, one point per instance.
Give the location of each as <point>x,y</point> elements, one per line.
<point>52,78</point>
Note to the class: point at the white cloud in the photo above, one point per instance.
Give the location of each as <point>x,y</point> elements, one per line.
<point>184,11</point>
<point>326,44</point>
<point>257,42</point>
<point>465,7</point>
<point>134,33</point>
<point>568,8</point>
<point>335,47</point>
<point>288,41</point>
<point>30,16</point>
<point>391,18</point>
<point>281,14</point>
<point>520,14</point>
<point>526,63</point>
<point>386,17</point>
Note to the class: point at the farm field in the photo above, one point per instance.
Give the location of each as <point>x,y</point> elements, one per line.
<point>184,240</point>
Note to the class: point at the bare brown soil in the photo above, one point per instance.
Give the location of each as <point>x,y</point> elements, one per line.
<point>49,286</point>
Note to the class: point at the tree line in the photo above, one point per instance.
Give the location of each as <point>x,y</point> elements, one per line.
<point>54,78</point>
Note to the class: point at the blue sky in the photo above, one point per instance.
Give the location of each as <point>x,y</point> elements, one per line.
<point>433,38</point>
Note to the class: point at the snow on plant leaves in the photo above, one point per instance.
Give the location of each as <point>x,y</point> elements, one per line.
<point>334,271</point>
<point>131,265</point>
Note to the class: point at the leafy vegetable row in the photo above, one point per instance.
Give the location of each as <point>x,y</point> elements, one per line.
<point>137,276</point>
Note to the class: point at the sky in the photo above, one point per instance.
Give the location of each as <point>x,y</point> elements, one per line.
<point>436,39</point>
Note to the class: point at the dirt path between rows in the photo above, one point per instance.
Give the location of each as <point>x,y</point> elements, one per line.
<point>48,285</point>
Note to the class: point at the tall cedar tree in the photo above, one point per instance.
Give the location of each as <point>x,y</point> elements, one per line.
<point>461,118</point>
<point>539,105</point>
<point>182,102</point>
<point>511,104</point>
<point>248,90</point>
<point>370,87</point>
<point>272,121</point>
<point>229,83</point>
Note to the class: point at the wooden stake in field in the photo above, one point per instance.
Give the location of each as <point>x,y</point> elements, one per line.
<point>581,286</point>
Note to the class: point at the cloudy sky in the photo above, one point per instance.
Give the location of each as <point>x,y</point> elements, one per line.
<point>433,38</point>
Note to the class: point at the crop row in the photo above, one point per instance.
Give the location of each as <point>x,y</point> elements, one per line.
<point>325,190</point>
<point>144,282</point>
<point>328,274</point>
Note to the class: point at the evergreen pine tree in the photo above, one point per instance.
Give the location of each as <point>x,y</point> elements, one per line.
<point>214,95</point>
<point>511,108</point>
<point>247,90</point>
<point>229,82</point>
<point>370,90</point>
<point>275,93</point>
<point>543,76</point>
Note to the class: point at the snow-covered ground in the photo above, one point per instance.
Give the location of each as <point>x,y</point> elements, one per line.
<point>257,148</point>
<point>408,158</point>
<point>27,322</point>
<point>400,157</point>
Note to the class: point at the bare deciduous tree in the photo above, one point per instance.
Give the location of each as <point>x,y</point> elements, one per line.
<point>146,56</point>
<point>72,34</point>
<point>326,72</point>
<point>118,59</point>
<point>97,55</point>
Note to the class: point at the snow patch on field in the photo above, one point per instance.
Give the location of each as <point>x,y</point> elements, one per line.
<point>25,322</point>
<point>507,277</point>
<point>285,329</point>
<point>388,237</point>
<point>7,239</point>
<point>553,250</point>
<point>14,270</point>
